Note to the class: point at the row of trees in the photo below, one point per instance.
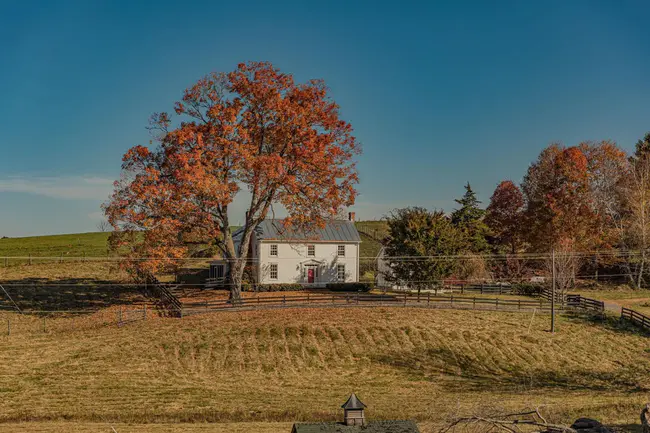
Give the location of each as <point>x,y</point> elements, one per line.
<point>425,244</point>
<point>591,197</point>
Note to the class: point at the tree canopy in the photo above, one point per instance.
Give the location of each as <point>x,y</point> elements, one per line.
<point>254,129</point>
<point>504,215</point>
<point>415,237</point>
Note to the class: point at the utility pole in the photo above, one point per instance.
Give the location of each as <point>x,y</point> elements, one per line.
<point>553,292</point>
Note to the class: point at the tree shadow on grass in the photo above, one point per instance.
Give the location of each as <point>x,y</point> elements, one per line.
<point>464,373</point>
<point>609,322</point>
<point>78,294</point>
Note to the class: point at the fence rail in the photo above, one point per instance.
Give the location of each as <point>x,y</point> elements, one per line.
<point>364,300</point>
<point>636,318</point>
<point>585,304</point>
<point>168,300</point>
<point>32,322</point>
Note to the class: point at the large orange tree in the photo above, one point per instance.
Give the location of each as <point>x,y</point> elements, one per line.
<point>254,129</point>
<point>570,195</point>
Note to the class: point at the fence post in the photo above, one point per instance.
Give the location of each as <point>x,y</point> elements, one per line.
<point>44,324</point>
<point>307,297</point>
<point>144,317</point>
<point>120,316</point>
<point>405,299</point>
<point>481,288</point>
<point>284,299</point>
<point>418,296</point>
<point>474,304</point>
<point>519,306</point>
<point>8,326</point>
<point>452,299</point>
<point>428,298</point>
<point>357,299</point>
<point>462,288</point>
<point>206,305</point>
<point>497,303</point>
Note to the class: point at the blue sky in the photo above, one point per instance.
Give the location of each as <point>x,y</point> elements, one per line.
<point>439,93</point>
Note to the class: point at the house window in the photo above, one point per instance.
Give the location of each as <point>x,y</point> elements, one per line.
<point>340,273</point>
<point>273,271</point>
<point>274,250</point>
<point>341,251</point>
<point>216,271</point>
<point>311,250</point>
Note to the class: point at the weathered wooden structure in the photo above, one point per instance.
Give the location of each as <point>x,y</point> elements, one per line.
<point>354,420</point>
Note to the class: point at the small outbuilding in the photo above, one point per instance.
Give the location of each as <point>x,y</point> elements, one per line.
<point>354,420</point>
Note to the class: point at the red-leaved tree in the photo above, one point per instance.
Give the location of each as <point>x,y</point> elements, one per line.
<point>570,195</point>
<point>504,215</point>
<point>252,129</point>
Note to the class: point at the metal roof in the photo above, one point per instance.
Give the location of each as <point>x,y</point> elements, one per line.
<point>334,231</point>
<point>353,403</point>
<point>371,427</point>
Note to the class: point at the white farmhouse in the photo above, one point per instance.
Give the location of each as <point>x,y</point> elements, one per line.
<point>285,256</point>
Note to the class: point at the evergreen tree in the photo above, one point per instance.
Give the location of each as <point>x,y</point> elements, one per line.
<point>469,219</point>
<point>642,147</point>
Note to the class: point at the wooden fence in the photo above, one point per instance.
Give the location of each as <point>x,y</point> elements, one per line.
<point>168,300</point>
<point>585,304</point>
<point>636,318</point>
<point>365,300</point>
<point>483,289</point>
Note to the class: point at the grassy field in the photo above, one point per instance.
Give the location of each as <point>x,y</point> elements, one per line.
<point>638,300</point>
<point>301,365</point>
<point>94,244</point>
<point>73,245</point>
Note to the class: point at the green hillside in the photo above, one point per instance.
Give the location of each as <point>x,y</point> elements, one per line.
<point>94,244</point>
<point>72,245</point>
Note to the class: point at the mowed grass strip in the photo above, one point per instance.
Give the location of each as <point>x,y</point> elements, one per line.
<point>283,366</point>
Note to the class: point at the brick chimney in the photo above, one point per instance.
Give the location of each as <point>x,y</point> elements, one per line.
<point>354,410</point>
<point>351,216</point>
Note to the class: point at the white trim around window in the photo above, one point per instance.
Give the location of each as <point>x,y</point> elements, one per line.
<point>311,250</point>
<point>340,251</point>
<point>340,273</point>
<point>273,250</point>
<point>273,271</point>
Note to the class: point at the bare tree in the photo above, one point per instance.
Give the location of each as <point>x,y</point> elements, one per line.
<point>635,223</point>
<point>511,423</point>
<point>103,226</point>
<point>567,266</point>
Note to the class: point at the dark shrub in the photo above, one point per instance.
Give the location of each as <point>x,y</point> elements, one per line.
<point>526,289</point>
<point>282,287</point>
<point>349,287</point>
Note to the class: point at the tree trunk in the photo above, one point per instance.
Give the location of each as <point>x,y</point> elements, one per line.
<point>235,279</point>
<point>641,270</point>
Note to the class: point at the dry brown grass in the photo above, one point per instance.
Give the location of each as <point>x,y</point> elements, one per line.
<point>301,365</point>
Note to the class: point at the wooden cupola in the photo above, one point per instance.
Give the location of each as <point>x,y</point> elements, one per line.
<point>354,411</point>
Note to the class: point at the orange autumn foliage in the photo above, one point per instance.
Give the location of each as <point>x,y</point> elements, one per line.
<point>253,129</point>
<point>570,195</point>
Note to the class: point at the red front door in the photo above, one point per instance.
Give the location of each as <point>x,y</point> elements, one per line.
<point>310,276</point>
